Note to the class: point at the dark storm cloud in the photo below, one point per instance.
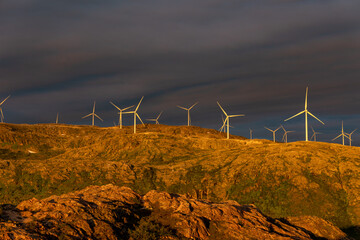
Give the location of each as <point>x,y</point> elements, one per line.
<point>255,57</point>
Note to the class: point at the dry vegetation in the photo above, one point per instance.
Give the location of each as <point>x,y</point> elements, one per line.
<point>300,178</point>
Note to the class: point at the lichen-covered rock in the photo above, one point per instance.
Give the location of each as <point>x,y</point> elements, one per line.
<point>111,212</point>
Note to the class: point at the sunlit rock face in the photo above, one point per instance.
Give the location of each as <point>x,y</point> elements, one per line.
<point>111,212</point>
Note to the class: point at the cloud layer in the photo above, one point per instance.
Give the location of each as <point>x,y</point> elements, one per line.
<point>255,57</point>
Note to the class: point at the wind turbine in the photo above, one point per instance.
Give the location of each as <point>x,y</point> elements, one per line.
<point>57,118</point>
<point>136,115</point>
<point>306,116</point>
<point>1,111</point>
<point>251,132</point>
<point>93,114</point>
<point>227,120</point>
<point>342,134</point>
<point>285,134</point>
<point>188,110</point>
<point>156,120</point>
<point>273,131</point>
<point>349,137</point>
<point>314,134</point>
<point>120,113</point>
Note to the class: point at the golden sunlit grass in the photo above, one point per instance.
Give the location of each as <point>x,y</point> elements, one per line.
<point>300,178</point>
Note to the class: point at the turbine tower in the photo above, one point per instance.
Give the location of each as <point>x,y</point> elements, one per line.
<point>342,134</point>
<point>93,114</point>
<point>306,116</point>
<point>136,115</point>
<point>188,110</point>
<point>251,132</point>
<point>156,120</point>
<point>227,120</point>
<point>57,118</point>
<point>349,137</point>
<point>273,131</point>
<point>1,111</point>
<point>285,139</point>
<point>120,113</point>
<point>314,134</point>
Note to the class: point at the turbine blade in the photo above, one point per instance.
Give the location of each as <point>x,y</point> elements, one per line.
<point>315,117</point>
<point>193,105</point>
<point>353,131</point>
<point>224,122</point>
<point>294,116</point>
<point>137,115</point>
<point>182,107</point>
<point>222,109</point>
<point>128,112</point>
<point>126,108</point>
<point>277,129</point>
<point>139,104</point>
<point>239,115</point>
<point>4,100</point>
<point>98,117</point>
<point>159,115</point>
<point>269,129</point>
<point>306,97</point>
<point>115,106</point>
<point>337,137</point>
<point>87,115</point>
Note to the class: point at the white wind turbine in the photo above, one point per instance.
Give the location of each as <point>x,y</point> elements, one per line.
<point>120,113</point>
<point>136,115</point>
<point>273,132</point>
<point>1,111</point>
<point>227,120</point>
<point>349,137</point>
<point>342,134</point>
<point>306,116</point>
<point>285,134</point>
<point>93,114</point>
<point>156,120</point>
<point>314,134</point>
<point>188,110</point>
<point>251,132</point>
<point>57,118</point>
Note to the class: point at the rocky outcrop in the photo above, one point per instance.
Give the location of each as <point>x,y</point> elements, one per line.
<point>111,212</point>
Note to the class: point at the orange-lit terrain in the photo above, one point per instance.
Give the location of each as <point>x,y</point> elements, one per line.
<point>281,180</point>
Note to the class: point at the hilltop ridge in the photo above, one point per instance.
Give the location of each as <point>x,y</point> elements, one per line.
<point>282,180</point>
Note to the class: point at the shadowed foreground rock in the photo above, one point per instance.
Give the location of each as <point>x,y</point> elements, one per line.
<point>111,212</point>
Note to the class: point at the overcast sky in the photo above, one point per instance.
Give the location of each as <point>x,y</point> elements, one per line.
<point>255,57</point>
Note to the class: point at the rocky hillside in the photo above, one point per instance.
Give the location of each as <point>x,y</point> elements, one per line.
<point>111,212</point>
<point>282,180</point>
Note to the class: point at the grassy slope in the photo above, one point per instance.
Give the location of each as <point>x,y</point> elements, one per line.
<point>301,178</point>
